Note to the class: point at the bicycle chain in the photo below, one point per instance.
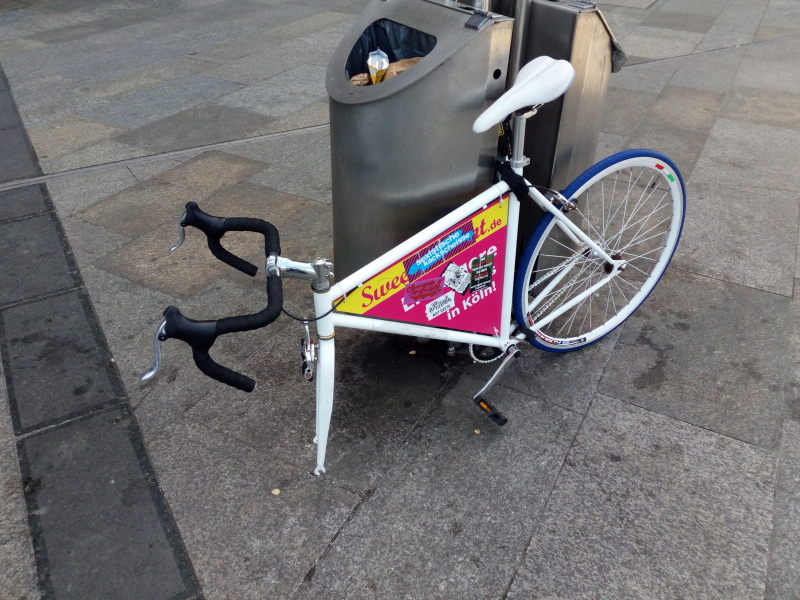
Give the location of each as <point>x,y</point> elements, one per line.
<point>478,360</point>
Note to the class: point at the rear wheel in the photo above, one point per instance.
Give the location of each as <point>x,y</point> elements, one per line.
<point>630,204</point>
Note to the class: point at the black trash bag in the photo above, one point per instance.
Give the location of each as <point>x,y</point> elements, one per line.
<point>396,40</point>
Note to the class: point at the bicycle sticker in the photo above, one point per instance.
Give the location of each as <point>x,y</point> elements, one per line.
<point>456,277</point>
<point>481,275</point>
<point>440,305</point>
<point>422,287</point>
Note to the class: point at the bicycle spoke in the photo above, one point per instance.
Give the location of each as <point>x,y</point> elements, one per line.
<point>645,196</point>
<point>618,235</point>
<point>539,280</point>
<point>624,297</point>
<point>636,287</point>
<point>597,233</point>
<point>564,245</point>
<point>644,255</point>
<point>562,292</point>
<point>634,243</point>
<point>625,204</point>
<point>641,202</point>
<point>568,286</point>
<point>630,264</point>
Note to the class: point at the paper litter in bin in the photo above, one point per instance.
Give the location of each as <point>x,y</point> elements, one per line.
<point>399,66</point>
<point>392,70</point>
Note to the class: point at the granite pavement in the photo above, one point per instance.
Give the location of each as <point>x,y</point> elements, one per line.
<point>662,462</point>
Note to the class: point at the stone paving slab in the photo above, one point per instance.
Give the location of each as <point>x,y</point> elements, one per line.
<point>703,351</point>
<point>780,109</point>
<point>90,242</point>
<point>30,242</point>
<point>21,202</point>
<point>624,109</point>
<point>197,126</point>
<point>783,73</point>
<point>644,77</point>
<point>159,101</point>
<point>78,191</point>
<point>282,94</point>
<point>684,147</point>
<point>184,272</point>
<point>8,117</point>
<point>781,19</point>
<point>647,507</point>
<point>437,526</point>
<point>50,349</point>
<point>15,159</point>
<point>258,66</point>
<point>680,21</point>
<point>792,409</point>
<point>713,72</point>
<point>64,137</point>
<point>106,150</point>
<point>18,576</point>
<point>783,579</point>
<point>93,507</point>
<point>685,109</point>
<point>769,153</point>
<point>299,162</point>
<point>738,251</point>
<point>309,116</point>
<point>148,76</point>
<point>237,509</point>
<point>658,42</point>
<point>142,208</point>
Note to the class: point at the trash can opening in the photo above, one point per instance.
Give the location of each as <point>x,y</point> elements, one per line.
<point>399,43</point>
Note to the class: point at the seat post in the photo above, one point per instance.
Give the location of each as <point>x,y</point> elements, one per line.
<point>518,158</point>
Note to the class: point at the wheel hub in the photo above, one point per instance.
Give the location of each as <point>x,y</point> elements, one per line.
<point>610,267</point>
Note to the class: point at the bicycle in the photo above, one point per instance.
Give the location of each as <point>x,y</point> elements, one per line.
<point>600,248</point>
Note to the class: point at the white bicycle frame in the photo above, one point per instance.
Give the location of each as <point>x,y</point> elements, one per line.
<point>328,318</point>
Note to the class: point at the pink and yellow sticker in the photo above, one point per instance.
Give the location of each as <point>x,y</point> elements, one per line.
<point>454,281</point>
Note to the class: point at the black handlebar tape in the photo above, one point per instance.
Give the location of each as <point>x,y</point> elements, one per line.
<point>201,335</point>
<point>260,319</point>
<point>231,259</point>
<point>216,227</point>
<point>216,371</point>
<point>272,239</point>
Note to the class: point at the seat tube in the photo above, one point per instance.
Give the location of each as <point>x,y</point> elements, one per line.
<point>326,370</point>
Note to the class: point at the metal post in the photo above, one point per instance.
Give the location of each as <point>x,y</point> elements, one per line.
<point>519,39</point>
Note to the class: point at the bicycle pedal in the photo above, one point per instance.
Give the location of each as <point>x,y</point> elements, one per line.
<point>490,410</point>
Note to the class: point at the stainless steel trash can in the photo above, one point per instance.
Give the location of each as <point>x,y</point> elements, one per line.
<point>403,152</point>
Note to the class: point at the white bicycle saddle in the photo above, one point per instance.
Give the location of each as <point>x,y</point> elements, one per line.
<point>541,80</point>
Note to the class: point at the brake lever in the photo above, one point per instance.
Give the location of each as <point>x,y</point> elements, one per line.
<point>159,337</point>
<point>181,232</point>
